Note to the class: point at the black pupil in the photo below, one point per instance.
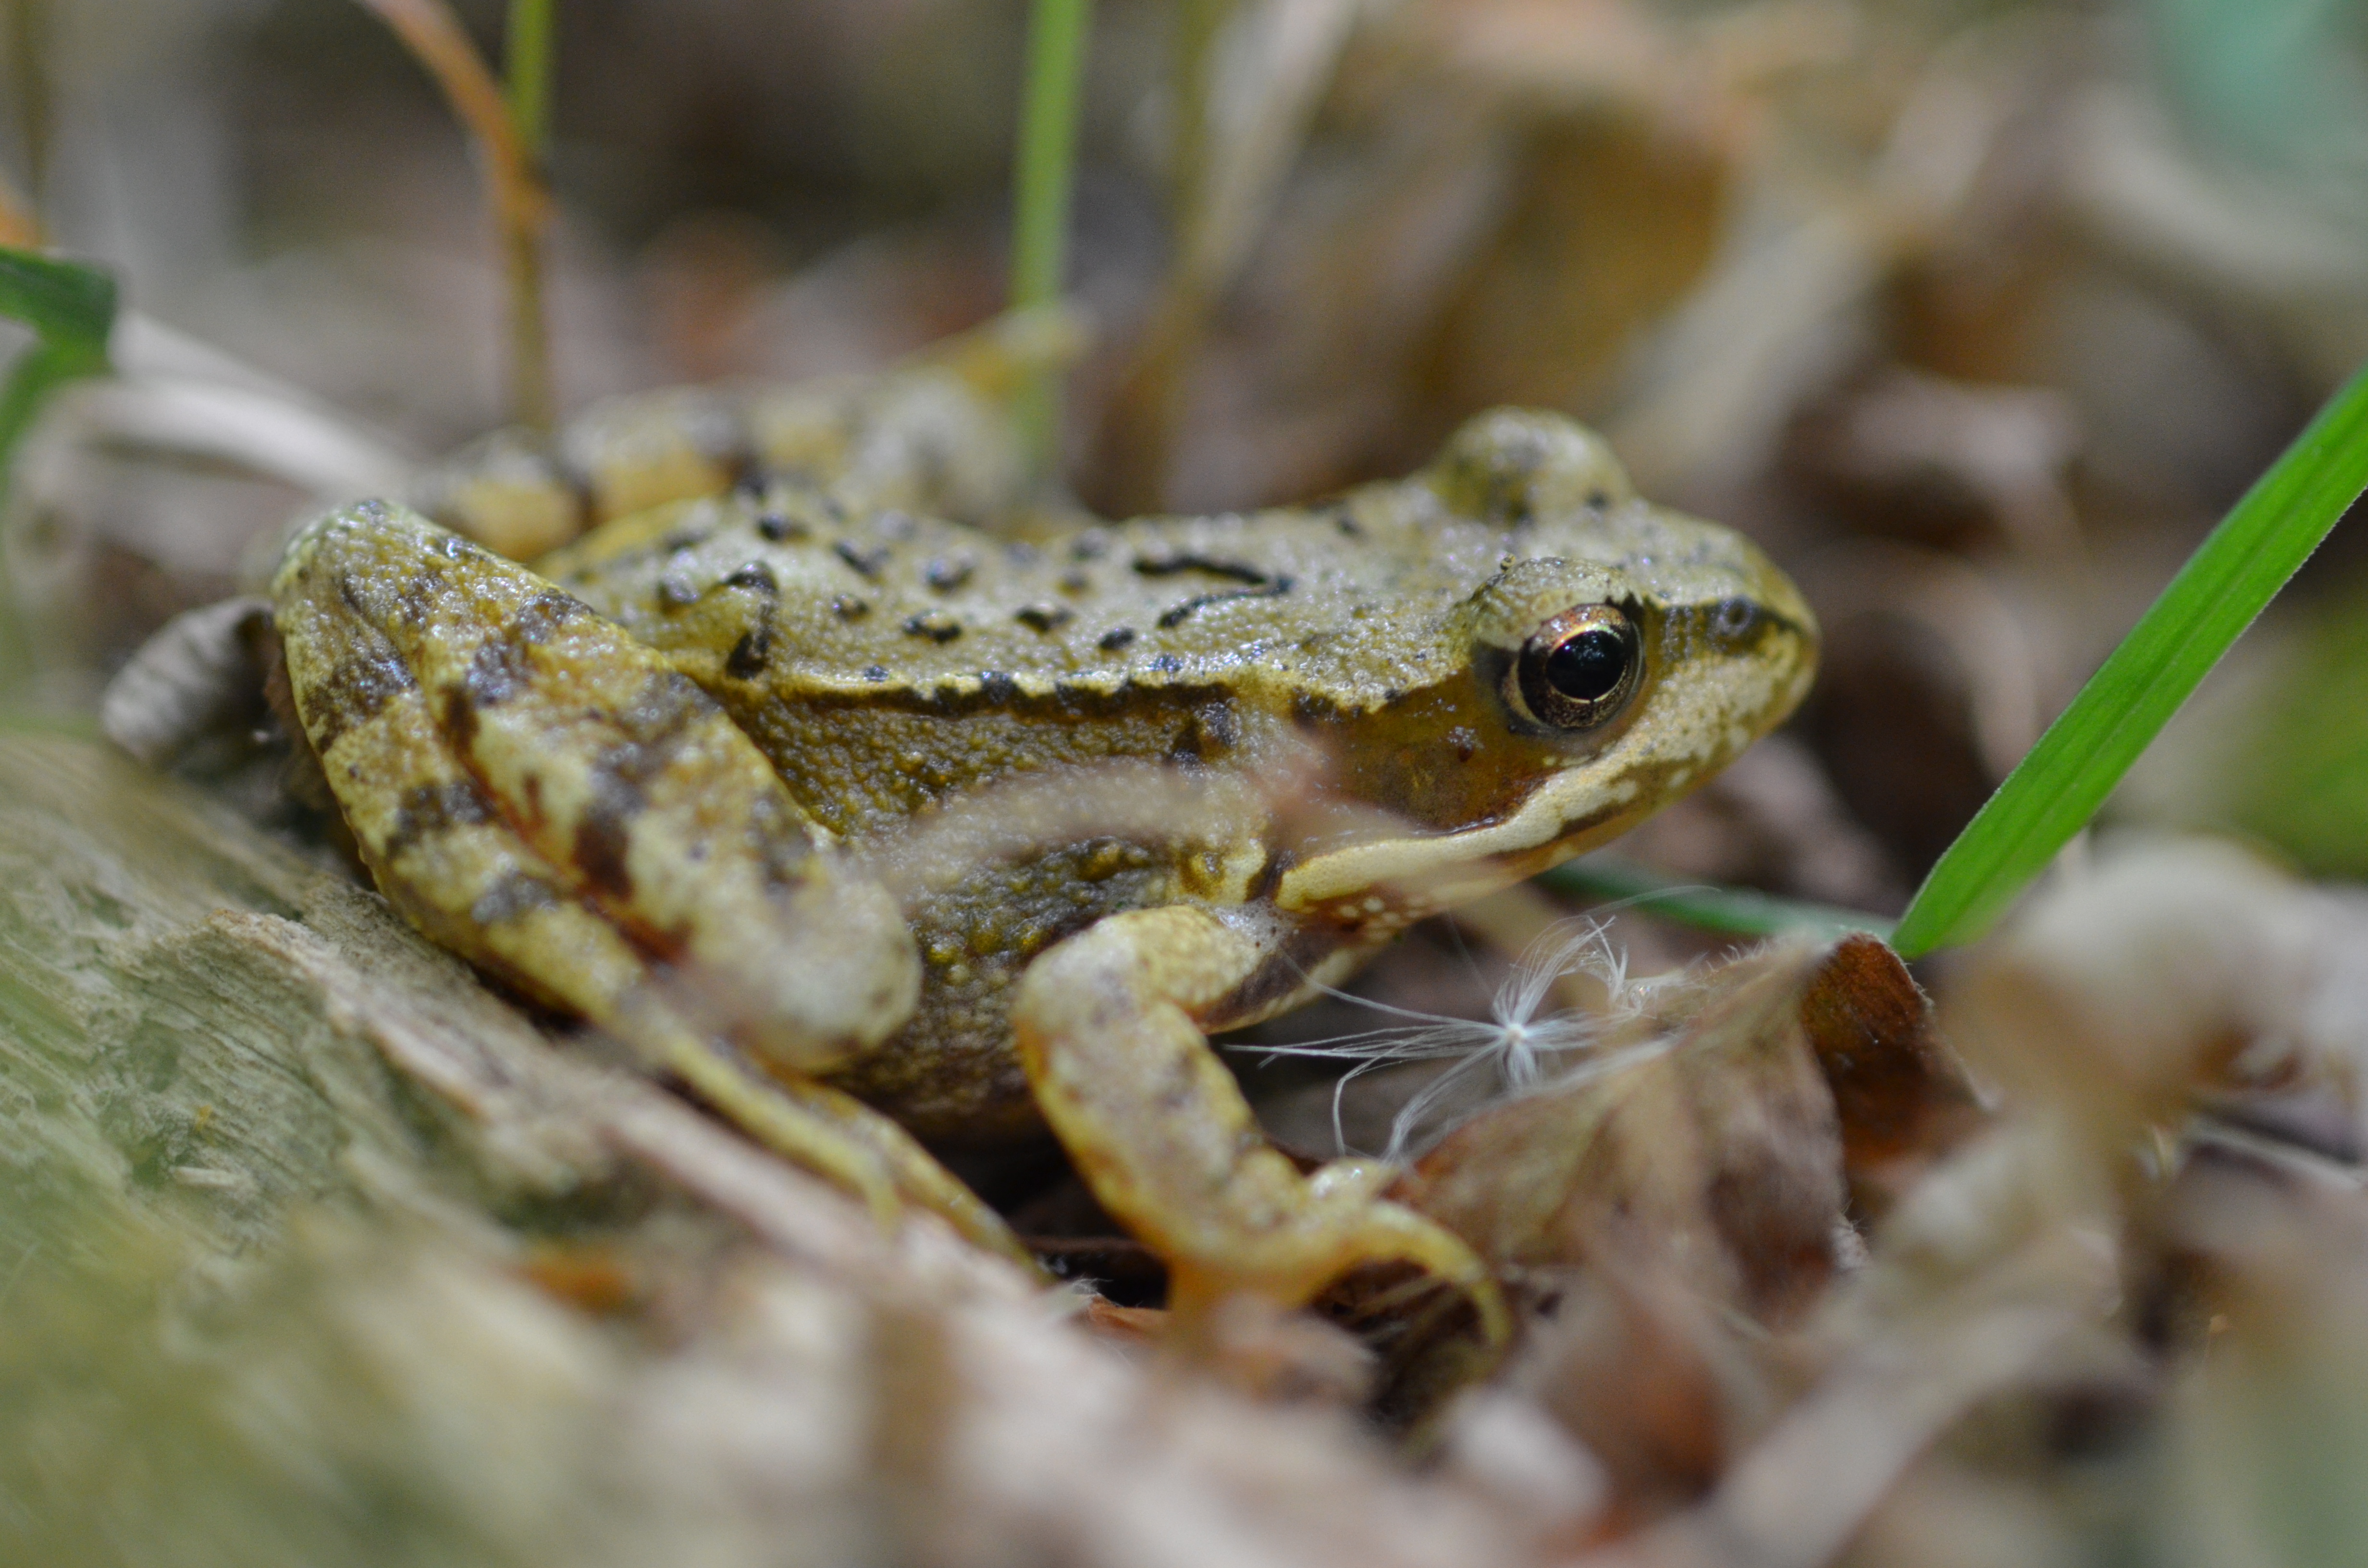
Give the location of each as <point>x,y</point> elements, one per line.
<point>1588,667</point>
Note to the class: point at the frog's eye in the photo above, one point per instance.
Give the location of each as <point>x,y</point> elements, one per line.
<point>1578,670</point>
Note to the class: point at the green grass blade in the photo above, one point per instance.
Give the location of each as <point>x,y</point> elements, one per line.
<point>2053,791</point>
<point>72,307</point>
<point>1044,179</point>
<point>66,302</point>
<point>1733,911</point>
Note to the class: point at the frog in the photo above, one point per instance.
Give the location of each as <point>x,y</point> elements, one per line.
<point>897,815</point>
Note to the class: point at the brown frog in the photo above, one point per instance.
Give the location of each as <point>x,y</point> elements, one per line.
<point>874,825</point>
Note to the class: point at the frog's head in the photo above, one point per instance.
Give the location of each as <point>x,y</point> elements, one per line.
<point>1618,655</point>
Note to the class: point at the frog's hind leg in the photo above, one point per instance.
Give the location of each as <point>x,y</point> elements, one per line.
<point>1108,1030</point>
<point>543,796</point>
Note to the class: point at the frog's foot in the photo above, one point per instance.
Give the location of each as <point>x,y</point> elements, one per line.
<point>549,799</point>
<point>1108,1030</point>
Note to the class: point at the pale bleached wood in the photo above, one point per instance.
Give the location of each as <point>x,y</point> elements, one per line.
<point>313,1250</point>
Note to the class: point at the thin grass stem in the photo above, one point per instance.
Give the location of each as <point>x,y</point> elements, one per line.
<point>1733,911</point>
<point>29,84</point>
<point>1044,182</point>
<point>529,43</point>
<point>521,204</point>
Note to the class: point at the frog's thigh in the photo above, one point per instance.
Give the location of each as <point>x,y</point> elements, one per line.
<point>443,839</point>
<point>1107,1029</point>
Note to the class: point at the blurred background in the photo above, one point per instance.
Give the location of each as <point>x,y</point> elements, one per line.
<point>1976,313</point>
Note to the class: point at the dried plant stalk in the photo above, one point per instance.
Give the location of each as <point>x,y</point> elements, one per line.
<point>522,201</point>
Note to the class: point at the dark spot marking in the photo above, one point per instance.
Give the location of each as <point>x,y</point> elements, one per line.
<point>499,671</point>
<point>1116,637</point>
<point>1090,545</point>
<point>1177,615</point>
<point>997,686</point>
<point>847,606</point>
<point>431,809</point>
<point>354,692</point>
<point>1204,734</point>
<point>1347,525</point>
<point>875,672</point>
<point>544,614</point>
<point>605,832</point>
<point>779,840</point>
<point>1308,708</point>
<point>682,539</point>
<point>1044,618</point>
<point>934,624</point>
<point>866,563</point>
<point>1166,664</point>
<point>1173,561</point>
<point>675,590</point>
<point>747,660</point>
<point>416,601</point>
<point>947,573</point>
<point>1268,876</point>
<point>1597,500</point>
<point>780,526</point>
<point>653,725</point>
<point>757,577</point>
<point>660,711</point>
<point>517,892</point>
<point>459,717</point>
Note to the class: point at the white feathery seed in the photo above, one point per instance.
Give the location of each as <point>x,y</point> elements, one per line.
<point>1524,1046</point>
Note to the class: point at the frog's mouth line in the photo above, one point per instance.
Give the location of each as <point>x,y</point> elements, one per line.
<point>1423,875</point>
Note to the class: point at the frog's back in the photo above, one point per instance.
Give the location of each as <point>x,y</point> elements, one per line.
<point>918,604</point>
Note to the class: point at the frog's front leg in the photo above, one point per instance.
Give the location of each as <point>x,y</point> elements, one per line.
<point>1110,1029</point>
<point>551,799</point>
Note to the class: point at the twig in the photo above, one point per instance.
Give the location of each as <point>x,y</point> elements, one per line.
<point>29,83</point>
<point>521,204</point>
<point>21,226</point>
